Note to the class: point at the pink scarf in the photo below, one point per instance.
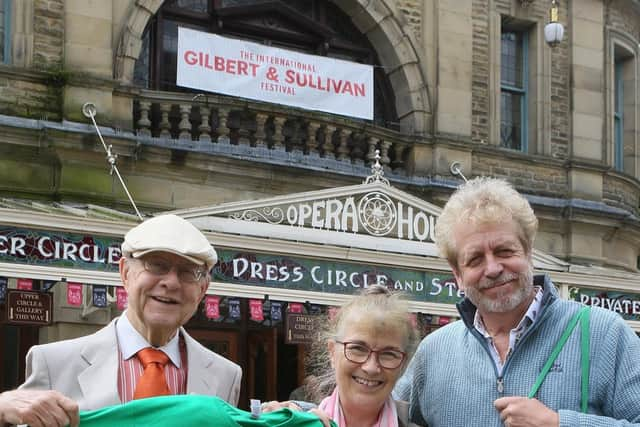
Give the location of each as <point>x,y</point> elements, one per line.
<point>331,406</point>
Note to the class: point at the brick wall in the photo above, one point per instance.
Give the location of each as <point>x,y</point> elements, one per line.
<point>412,11</point>
<point>560,111</point>
<point>622,194</point>
<point>526,175</point>
<point>29,96</point>
<point>623,16</point>
<point>480,73</point>
<point>48,28</point>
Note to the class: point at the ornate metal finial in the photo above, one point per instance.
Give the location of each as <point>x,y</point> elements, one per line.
<point>377,172</point>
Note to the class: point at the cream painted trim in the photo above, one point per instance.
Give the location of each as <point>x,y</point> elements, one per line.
<point>595,281</point>
<point>75,224</point>
<point>310,235</point>
<point>58,273</point>
<point>247,291</point>
<point>307,196</point>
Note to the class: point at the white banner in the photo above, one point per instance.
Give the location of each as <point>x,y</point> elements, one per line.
<point>234,67</point>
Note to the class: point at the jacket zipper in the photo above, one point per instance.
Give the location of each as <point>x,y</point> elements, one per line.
<point>483,343</point>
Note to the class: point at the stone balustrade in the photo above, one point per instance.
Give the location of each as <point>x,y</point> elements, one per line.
<point>214,119</point>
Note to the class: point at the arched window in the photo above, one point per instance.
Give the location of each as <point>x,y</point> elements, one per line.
<point>316,27</point>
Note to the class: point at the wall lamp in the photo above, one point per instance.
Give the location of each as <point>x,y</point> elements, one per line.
<point>553,31</point>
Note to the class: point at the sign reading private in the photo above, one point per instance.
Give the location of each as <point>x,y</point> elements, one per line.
<point>286,272</point>
<point>28,308</point>
<point>240,68</point>
<point>625,304</point>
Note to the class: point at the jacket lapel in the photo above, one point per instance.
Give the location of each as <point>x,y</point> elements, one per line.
<point>199,377</point>
<point>99,381</point>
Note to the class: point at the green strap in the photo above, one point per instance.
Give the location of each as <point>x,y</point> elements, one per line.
<point>585,344</point>
<point>583,316</point>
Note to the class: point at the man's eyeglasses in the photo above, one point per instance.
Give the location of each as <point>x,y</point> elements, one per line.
<point>160,267</point>
<point>360,353</point>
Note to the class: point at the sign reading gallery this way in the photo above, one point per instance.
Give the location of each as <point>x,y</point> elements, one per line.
<point>240,68</point>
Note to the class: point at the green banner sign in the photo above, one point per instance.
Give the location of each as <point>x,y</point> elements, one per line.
<point>287,272</point>
<point>37,247</point>
<point>623,303</point>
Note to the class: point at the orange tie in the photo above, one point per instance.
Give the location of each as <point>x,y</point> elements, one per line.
<point>152,382</point>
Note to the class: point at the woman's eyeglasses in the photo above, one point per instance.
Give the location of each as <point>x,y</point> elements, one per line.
<point>360,353</point>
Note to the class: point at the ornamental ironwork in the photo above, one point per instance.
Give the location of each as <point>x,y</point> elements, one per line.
<point>272,215</point>
<point>378,213</point>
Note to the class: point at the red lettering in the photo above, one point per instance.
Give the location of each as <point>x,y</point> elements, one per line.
<point>242,68</point>
<point>336,85</point>
<point>347,88</point>
<point>231,66</point>
<point>218,62</point>
<point>190,57</point>
<point>359,89</point>
<point>289,76</point>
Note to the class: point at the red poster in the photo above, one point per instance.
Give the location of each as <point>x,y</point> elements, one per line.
<point>74,293</point>
<point>255,307</point>
<point>295,307</point>
<point>212,307</point>
<point>25,284</point>
<point>121,298</point>
<point>443,320</point>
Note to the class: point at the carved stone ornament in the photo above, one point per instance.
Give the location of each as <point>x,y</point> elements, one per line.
<point>377,172</point>
<point>378,213</point>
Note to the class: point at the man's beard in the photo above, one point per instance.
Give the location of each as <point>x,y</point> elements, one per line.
<point>503,302</point>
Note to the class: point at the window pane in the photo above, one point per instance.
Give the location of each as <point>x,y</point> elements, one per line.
<point>232,3</point>
<point>141,69</point>
<point>169,55</point>
<point>510,123</point>
<point>192,5</point>
<point>2,30</point>
<point>511,59</point>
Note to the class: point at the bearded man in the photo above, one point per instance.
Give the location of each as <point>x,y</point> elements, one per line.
<point>492,367</point>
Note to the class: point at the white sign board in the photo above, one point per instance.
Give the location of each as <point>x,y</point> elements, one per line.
<point>240,68</point>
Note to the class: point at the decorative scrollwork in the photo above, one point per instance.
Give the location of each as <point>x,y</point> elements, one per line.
<point>378,213</point>
<point>268,214</point>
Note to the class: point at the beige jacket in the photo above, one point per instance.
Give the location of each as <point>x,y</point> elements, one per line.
<point>85,369</point>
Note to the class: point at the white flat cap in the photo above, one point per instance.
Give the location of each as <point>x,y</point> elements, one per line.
<point>169,233</point>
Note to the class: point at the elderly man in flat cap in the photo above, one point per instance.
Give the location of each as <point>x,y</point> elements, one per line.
<point>143,353</point>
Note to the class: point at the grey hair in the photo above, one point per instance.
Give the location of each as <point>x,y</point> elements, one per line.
<point>379,303</point>
<point>484,200</point>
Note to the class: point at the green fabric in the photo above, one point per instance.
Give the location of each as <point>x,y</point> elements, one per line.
<point>190,410</point>
<point>581,316</point>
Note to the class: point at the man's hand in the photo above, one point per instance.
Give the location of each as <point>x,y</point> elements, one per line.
<point>275,405</point>
<point>38,408</point>
<point>518,411</point>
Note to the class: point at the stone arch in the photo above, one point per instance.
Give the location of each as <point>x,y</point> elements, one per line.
<point>130,40</point>
<point>374,18</point>
<point>384,27</point>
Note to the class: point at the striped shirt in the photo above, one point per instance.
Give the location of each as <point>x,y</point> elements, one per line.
<point>130,368</point>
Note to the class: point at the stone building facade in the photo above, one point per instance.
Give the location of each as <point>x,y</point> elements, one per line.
<point>564,130</point>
